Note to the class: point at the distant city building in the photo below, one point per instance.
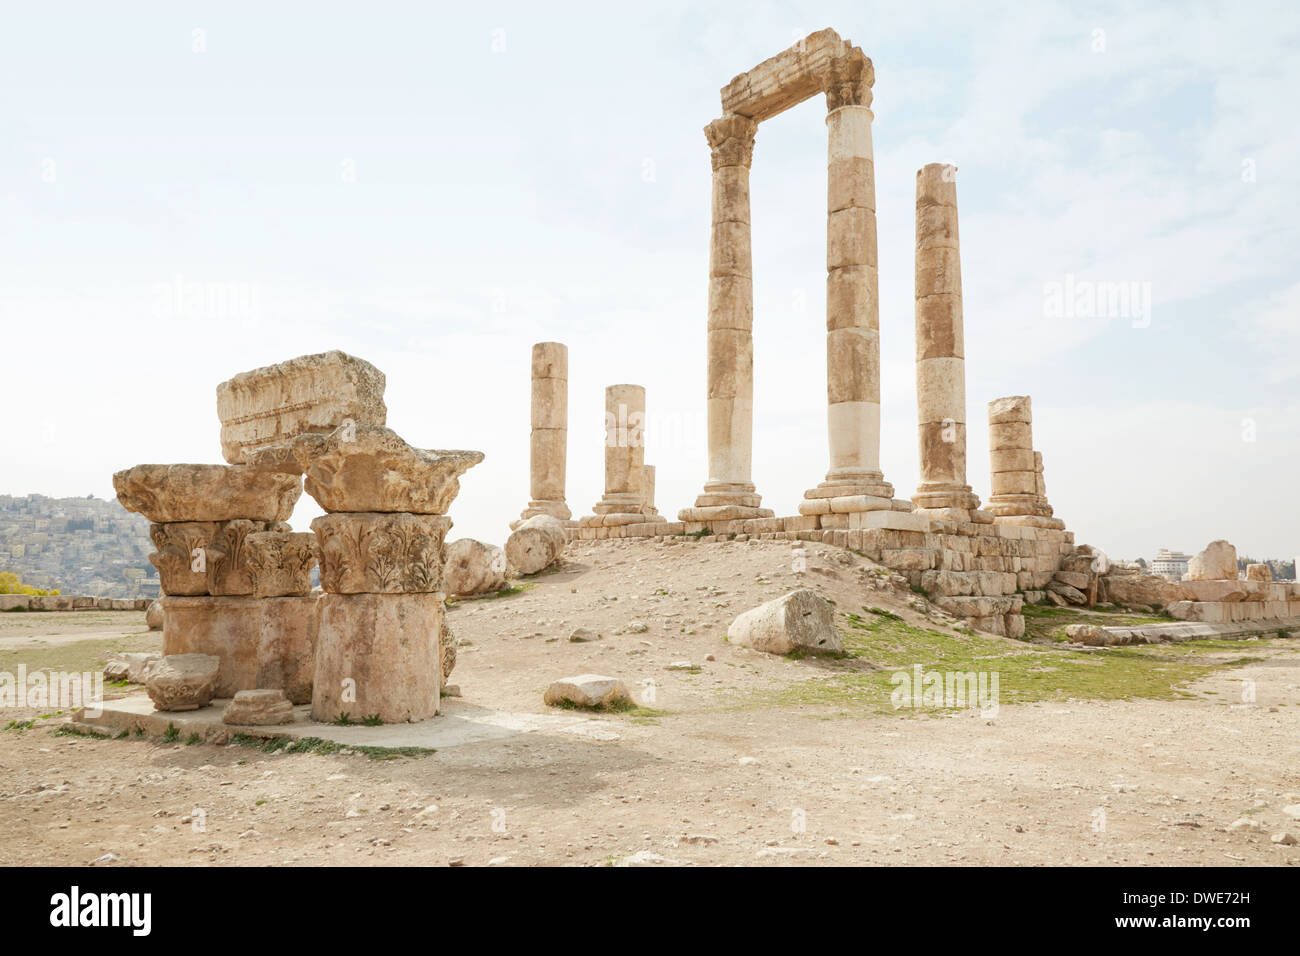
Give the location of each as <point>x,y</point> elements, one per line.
<point>1170,564</point>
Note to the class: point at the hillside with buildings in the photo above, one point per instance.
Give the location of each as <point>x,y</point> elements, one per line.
<point>81,546</point>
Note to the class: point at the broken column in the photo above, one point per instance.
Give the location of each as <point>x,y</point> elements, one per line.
<point>201,517</point>
<point>624,500</point>
<point>940,346</point>
<point>729,493</point>
<point>852,300</point>
<point>380,548</point>
<point>280,563</point>
<point>1017,479</point>
<point>548,443</point>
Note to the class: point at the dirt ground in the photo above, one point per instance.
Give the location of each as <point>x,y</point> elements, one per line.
<point>1151,755</point>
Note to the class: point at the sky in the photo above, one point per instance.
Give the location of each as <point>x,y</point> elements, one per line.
<point>435,187</point>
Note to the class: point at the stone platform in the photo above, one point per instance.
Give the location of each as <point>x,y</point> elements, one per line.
<point>460,723</point>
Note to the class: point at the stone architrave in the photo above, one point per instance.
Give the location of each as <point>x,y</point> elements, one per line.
<point>1017,478</point>
<point>380,553</point>
<point>548,442</point>
<point>364,468</point>
<point>940,345</point>
<point>312,393</point>
<point>378,654</point>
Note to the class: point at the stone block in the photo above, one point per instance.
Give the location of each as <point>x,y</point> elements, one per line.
<point>381,553</point>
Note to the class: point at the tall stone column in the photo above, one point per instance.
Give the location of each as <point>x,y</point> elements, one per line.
<point>940,348</point>
<point>729,493</point>
<point>548,443</point>
<point>852,300</point>
<point>624,501</point>
<point>1017,470</point>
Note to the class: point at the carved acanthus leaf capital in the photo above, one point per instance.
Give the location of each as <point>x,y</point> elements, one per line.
<point>849,81</point>
<point>731,138</point>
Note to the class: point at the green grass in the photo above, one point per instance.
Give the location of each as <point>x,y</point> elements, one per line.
<point>626,708</point>
<point>172,733</point>
<point>1046,622</point>
<point>78,656</point>
<point>510,590</point>
<point>877,647</point>
<point>317,745</point>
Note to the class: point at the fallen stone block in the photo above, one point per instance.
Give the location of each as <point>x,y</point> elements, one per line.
<point>183,681</point>
<point>473,567</point>
<point>154,616</point>
<point>132,668</point>
<point>798,620</point>
<point>535,545</point>
<point>586,690</point>
<point>256,708</point>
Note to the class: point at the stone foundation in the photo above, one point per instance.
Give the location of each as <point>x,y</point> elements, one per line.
<point>364,642</point>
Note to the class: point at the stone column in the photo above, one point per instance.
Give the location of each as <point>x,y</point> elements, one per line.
<point>548,448</point>
<point>1017,470</point>
<point>852,300</point>
<point>729,492</point>
<point>624,499</point>
<point>940,348</point>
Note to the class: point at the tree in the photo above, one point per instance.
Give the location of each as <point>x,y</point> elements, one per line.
<point>9,584</point>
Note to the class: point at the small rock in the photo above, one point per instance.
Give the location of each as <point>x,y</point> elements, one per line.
<point>1244,823</point>
<point>154,616</point>
<point>638,627</point>
<point>580,635</point>
<point>1283,839</point>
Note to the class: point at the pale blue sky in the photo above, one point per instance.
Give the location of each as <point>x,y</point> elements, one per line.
<point>390,181</point>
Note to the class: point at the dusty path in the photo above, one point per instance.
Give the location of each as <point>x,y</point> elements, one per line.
<point>717,769</point>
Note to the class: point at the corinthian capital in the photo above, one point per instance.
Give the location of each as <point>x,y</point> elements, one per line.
<point>731,138</point>
<point>849,81</point>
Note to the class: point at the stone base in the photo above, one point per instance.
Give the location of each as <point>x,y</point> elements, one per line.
<point>726,501</point>
<point>849,504</point>
<point>615,519</point>
<point>1010,505</point>
<point>228,628</point>
<point>378,654</point>
<point>946,496</point>
<point>873,485</point>
<point>556,509</point>
<point>286,650</point>
<point>960,515</point>
<point>894,520</point>
<point>1031,521</point>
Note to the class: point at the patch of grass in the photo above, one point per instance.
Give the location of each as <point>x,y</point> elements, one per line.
<point>374,720</point>
<point>171,734</point>
<point>510,590</point>
<point>702,533</point>
<point>20,725</point>
<point>317,745</point>
<point>626,708</point>
<point>881,612</point>
<point>68,731</point>
<point>1045,622</point>
<point>193,739</point>
<point>139,731</point>
<point>343,720</point>
<point>1026,672</point>
<point>122,735</point>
